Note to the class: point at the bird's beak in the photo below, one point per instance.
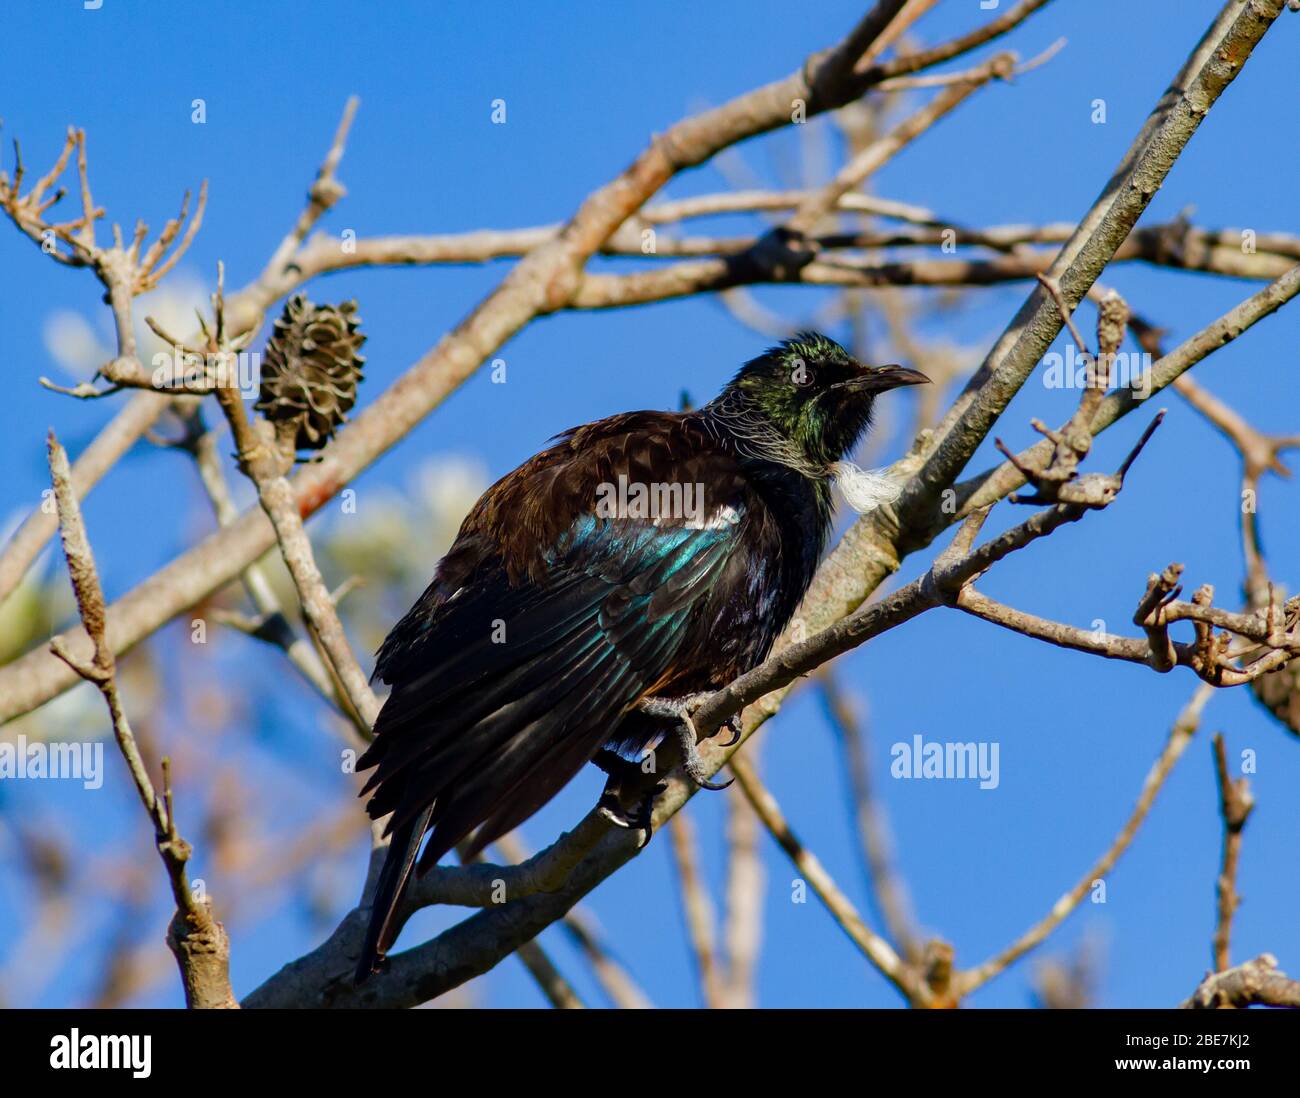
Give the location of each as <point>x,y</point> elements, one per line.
<point>878,379</point>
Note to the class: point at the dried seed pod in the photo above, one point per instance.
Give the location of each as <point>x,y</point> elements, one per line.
<point>310,370</point>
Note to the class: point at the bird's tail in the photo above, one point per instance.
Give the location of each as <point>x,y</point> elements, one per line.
<point>402,849</point>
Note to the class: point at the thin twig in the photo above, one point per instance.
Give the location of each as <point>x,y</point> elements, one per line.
<point>743,919</point>
<point>271,625</point>
<point>265,463</point>
<point>196,938</point>
<point>697,909</point>
<point>885,884</point>
<point>244,311</point>
<point>878,951</point>
<point>1235,806</point>
<point>1180,735</point>
<point>1255,983</point>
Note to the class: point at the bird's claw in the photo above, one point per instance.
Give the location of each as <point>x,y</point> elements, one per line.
<point>692,762</point>
<point>639,817</point>
<point>679,710</point>
<point>732,725</point>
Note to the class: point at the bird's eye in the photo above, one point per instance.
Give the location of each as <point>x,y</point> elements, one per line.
<point>801,375</point>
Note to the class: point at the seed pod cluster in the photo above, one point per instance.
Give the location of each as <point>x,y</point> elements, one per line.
<point>310,370</point>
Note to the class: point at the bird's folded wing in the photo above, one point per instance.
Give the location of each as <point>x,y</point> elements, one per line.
<point>505,692</point>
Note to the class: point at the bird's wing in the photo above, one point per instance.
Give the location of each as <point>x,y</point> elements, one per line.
<point>514,687</point>
<point>506,687</point>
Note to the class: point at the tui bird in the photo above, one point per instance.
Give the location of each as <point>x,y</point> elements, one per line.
<point>594,592</point>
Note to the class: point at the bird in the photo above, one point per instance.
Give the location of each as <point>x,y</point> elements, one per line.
<point>596,592</point>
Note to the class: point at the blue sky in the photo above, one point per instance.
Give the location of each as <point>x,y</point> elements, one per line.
<point>586,85</point>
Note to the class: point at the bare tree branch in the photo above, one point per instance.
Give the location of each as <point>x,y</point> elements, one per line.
<point>743,919</point>
<point>1255,983</point>
<point>197,939</point>
<point>697,909</point>
<point>1179,737</point>
<point>879,952</point>
<point>581,927</point>
<point>886,885</point>
<point>1235,805</point>
<point>243,313</point>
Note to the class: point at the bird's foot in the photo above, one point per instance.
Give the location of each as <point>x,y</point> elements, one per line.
<point>679,710</point>
<point>639,817</point>
<point>692,762</point>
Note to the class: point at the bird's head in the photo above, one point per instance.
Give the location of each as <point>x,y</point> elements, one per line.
<point>814,394</point>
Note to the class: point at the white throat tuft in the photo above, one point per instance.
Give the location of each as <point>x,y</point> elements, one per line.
<point>864,489</point>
